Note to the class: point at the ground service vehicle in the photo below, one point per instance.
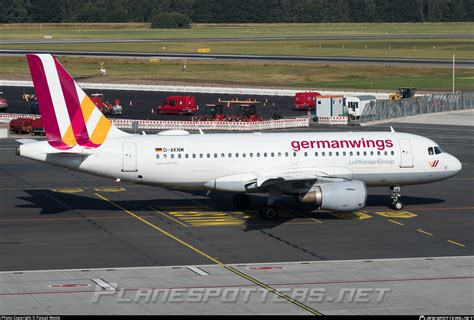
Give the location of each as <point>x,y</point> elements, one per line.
<point>37,127</point>
<point>330,170</point>
<point>28,96</point>
<point>3,103</point>
<point>403,93</point>
<point>212,112</point>
<point>105,106</point>
<point>242,110</point>
<point>178,105</point>
<point>305,100</point>
<point>20,125</point>
<point>355,105</point>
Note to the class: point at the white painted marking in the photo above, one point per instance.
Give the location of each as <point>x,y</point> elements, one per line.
<point>198,271</point>
<point>104,285</point>
<point>56,92</point>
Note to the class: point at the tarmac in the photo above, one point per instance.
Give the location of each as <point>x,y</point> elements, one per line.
<point>55,219</point>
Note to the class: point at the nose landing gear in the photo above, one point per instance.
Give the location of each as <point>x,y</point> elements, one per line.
<point>396,203</point>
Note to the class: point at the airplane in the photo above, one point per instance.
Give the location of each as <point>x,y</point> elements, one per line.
<point>330,170</point>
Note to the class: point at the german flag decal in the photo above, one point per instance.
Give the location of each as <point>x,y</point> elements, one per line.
<point>434,164</point>
<point>158,149</point>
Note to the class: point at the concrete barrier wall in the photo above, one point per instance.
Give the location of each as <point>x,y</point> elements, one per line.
<point>204,89</point>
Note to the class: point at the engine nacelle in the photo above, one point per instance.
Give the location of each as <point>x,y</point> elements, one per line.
<point>337,196</point>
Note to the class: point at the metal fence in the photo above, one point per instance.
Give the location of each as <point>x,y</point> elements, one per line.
<point>386,109</point>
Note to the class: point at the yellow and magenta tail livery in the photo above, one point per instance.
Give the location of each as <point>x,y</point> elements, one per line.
<point>70,118</point>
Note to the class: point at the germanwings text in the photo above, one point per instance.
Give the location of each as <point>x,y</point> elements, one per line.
<point>336,144</point>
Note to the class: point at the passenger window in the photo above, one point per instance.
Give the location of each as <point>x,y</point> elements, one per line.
<point>371,153</point>
<point>208,155</point>
<point>179,155</point>
<point>365,153</point>
<point>358,153</point>
<point>330,153</point>
<point>215,155</point>
<point>243,155</point>
<point>294,154</point>
<point>251,155</point>
<point>272,154</point>
<point>230,155</point>
<point>343,153</point>
<point>258,154</point>
<point>264,154</point>
<point>337,153</point>
<point>305,154</point>
<point>351,153</point>
<point>165,156</point>
<point>430,151</point>
<point>315,154</point>
<point>385,153</point>
<point>323,153</point>
<point>172,156</point>
<point>393,153</point>
<point>157,156</point>
<point>378,153</point>
<point>201,155</point>
<point>279,154</point>
<point>222,155</point>
<point>236,155</point>
<point>194,155</point>
<point>287,154</point>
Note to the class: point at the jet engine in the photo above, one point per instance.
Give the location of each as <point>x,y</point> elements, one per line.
<point>337,196</point>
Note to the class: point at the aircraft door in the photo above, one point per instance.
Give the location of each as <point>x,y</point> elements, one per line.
<point>406,154</point>
<point>129,157</point>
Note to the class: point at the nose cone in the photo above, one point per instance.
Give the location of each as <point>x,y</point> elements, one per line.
<point>457,166</point>
<point>454,166</point>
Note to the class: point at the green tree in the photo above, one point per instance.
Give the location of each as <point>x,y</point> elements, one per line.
<point>17,12</point>
<point>172,20</point>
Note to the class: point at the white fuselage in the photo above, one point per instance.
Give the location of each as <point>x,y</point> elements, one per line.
<point>196,160</point>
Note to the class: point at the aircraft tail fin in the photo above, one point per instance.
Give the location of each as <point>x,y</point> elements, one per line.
<point>69,116</point>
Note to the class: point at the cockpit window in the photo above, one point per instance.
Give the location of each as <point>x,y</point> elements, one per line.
<point>437,150</point>
<point>430,151</point>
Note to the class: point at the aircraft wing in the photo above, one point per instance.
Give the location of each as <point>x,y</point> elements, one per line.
<point>327,174</point>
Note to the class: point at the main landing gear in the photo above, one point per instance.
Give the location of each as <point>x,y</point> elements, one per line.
<point>396,203</point>
<point>270,211</point>
<point>267,212</point>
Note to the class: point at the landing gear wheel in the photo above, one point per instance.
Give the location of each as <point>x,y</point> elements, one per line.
<point>397,205</point>
<point>269,212</point>
<point>242,201</point>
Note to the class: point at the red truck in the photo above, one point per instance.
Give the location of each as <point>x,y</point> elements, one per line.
<point>20,125</point>
<point>306,100</point>
<point>37,127</point>
<point>178,105</point>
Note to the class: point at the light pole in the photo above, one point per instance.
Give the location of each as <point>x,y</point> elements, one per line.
<point>454,69</point>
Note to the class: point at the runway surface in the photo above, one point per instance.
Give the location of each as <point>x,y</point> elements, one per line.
<point>53,218</point>
<point>467,63</point>
<point>351,37</point>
